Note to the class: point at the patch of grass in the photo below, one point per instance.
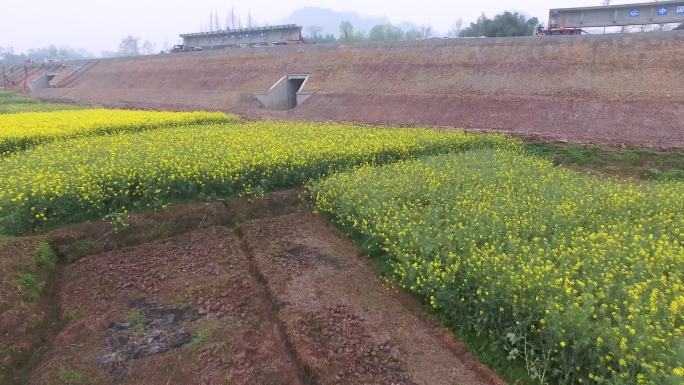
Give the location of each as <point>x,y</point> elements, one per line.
<point>162,230</point>
<point>73,315</point>
<point>672,174</point>
<point>224,348</point>
<point>12,102</point>
<point>5,238</point>
<point>44,257</point>
<point>84,247</point>
<point>68,376</point>
<point>140,328</point>
<point>134,316</point>
<point>626,162</point>
<point>30,285</point>
<point>491,352</point>
<point>134,319</point>
<point>201,338</point>
<point>180,302</point>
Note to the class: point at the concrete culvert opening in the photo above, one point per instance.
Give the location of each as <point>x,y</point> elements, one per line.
<point>286,94</point>
<point>293,86</point>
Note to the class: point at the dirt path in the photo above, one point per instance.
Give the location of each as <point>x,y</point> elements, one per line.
<point>261,292</point>
<point>347,325</point>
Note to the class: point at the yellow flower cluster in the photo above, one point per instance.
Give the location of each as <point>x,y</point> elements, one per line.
<point>580,277</point>
<point>24,130</point>
<point>72,180</point>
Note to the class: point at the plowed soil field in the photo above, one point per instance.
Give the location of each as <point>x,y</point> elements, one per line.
<point>244,292</point>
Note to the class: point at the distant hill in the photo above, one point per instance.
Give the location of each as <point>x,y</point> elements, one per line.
<point>330,20</point>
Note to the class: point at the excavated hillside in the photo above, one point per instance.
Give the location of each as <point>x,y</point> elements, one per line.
<point>612,89</point>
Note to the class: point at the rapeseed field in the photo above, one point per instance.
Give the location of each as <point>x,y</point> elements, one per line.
<point>579,278</point>
<point>24,130</point>
<point>90,177</point>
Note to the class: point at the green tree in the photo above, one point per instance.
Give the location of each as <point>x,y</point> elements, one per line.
<point>346,31</point>
<point>456,28</point>
<point>348,34</point>
<point>413,34</point>
<point>423,32</point>
<point>478,28</point>
<point>386,32</point>
<point>426,31</point>
<point>314,33</point>
<point>129,46</point>
<point>504,24</point>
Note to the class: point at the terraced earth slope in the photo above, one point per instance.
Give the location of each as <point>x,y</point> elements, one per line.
<point>611,89</point>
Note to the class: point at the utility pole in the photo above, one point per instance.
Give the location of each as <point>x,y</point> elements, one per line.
<point>25,76</point>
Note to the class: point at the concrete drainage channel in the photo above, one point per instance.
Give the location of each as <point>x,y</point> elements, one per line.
<point>286,93</point>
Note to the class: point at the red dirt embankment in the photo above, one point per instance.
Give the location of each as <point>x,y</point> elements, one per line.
<point>611,89</point>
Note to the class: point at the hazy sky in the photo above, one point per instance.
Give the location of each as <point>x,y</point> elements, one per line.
<point>98,25</point>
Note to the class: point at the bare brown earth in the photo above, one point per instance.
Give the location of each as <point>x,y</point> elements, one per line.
<point>23,320</point>
<point>620,89</point>
<point>247,292</point>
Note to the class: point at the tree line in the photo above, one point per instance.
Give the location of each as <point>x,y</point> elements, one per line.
<point>232,21</point>
<point>49,53</point>
<point>129,46</point>
<point>505,24</point>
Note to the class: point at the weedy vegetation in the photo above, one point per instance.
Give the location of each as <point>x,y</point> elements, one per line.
<point>69,376</point>
<point>636,163</point>
<point>11,102</point>
<point>30,285</point>
<point>44,257</point>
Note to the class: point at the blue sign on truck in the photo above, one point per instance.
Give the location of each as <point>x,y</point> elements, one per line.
<point>634,13</point>
<point>679,10</point>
